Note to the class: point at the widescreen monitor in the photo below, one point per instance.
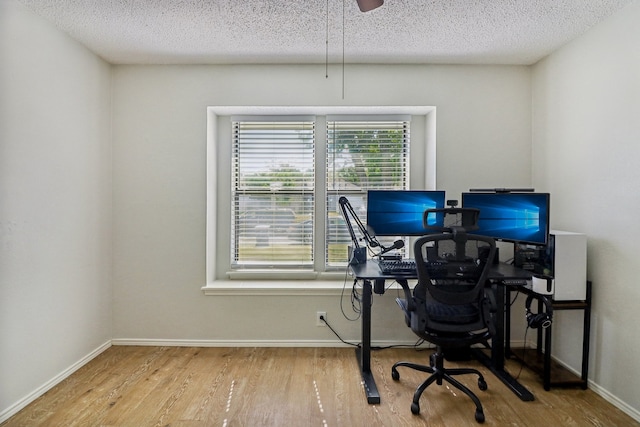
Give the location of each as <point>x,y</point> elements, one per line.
<point>511,217</point>
<point>400,212</point>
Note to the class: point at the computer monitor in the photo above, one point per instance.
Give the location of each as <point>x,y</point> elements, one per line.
<point>400,212</point>
<point>511,217</point>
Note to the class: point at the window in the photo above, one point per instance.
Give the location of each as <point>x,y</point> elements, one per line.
<point>362,155</point>
<point>285,215</point>
<point>273,195</point>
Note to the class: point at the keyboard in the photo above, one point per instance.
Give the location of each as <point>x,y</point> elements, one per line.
<point>394,266</point>
<point>515,282</point>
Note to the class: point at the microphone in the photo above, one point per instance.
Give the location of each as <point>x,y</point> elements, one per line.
<point>398,244</point>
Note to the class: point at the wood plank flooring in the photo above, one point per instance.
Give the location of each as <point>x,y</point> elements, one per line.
<point>184,386</point>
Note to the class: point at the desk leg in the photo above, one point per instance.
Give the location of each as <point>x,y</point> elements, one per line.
<point>507,326</point>
<point>497,342</point>
<point>495,363</point>
<point>364,353</point>
<point>546,374</point>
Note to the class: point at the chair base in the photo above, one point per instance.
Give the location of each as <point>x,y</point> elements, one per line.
<point>439,374</point>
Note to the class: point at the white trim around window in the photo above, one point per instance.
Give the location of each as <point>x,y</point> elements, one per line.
<point>273,283</point>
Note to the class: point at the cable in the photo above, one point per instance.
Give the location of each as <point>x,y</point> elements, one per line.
<point>356,299</point>
<point>336,334</point>
<point>343,49</point>
<point>415,346</point>
<point>513,301</point>
<point>397,289</point>
<point>524,352</point>
<point>354,306</point>
<point>326,53</point>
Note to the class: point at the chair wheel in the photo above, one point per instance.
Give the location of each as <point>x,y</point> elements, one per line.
<point>482,384</point>
<point>395,375</point>
<point>415,409</point>
<point>479,416</point>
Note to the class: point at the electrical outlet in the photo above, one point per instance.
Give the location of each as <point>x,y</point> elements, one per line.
<point>319,321</point>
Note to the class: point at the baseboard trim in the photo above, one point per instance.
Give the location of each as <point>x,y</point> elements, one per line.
<point>246,343</point>
<point>22,403</point>
<point>606,395</point>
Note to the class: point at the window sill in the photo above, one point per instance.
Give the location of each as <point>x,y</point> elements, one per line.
<point>275,287</point>
<point>267,274</point>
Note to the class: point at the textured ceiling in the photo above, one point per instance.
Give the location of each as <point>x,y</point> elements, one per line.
<point>297,31</point>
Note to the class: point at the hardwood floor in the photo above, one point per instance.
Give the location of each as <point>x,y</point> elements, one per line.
<point>183,386</point>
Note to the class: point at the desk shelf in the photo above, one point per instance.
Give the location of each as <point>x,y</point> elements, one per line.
<point>539,360</point>
<point>559,375</point>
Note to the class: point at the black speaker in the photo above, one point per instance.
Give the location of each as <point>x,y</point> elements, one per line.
<point>538,320</point>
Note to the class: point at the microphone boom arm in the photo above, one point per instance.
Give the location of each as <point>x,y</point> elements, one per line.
<point>347,210</point>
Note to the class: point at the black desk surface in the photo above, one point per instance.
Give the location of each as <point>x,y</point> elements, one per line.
<point>501,271</point>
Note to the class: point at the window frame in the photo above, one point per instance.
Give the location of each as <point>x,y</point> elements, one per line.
<point>218,278</point>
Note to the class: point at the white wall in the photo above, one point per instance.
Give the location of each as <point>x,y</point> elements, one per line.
<point>586,103</point>
<point>55,204</point>
<point>160,131</point>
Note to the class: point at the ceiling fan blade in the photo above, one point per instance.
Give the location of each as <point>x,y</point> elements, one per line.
<point>367,5</point>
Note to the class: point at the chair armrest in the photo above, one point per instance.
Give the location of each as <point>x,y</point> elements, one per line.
<point>490,301</point>
<point>406,304</point>
<point>410,303</point>
<point>490,293</point>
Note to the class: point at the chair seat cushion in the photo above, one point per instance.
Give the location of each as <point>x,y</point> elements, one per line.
<point>452,314</point>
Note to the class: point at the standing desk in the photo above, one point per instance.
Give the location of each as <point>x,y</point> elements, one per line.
<point>373,281</point>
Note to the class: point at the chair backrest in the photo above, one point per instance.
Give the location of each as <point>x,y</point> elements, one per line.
<point>452,272</point>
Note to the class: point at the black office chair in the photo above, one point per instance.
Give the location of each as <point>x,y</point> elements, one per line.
<point>450,306</point>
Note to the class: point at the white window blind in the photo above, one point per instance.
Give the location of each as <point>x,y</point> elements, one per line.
<point>273,193</point>
<point>362,155</point>
<point>275,188</point>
